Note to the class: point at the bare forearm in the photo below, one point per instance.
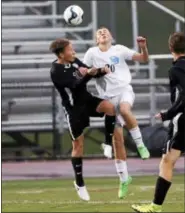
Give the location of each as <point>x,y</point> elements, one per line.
<point>144,53</point>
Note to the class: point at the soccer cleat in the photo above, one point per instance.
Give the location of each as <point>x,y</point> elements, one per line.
<point>82,192</point>
<point>143,151</point>
<point>147,208</point>
<point>123,188</point>
<point>107,150</point>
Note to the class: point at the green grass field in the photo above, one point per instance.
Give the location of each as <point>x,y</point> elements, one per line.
<point>60,196</point>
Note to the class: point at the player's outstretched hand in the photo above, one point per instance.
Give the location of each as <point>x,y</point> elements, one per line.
<point>158,116</point>
<point>141,42</point>
<point>83,70</point>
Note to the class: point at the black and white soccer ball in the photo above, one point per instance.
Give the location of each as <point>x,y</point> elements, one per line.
<point>73,15</point>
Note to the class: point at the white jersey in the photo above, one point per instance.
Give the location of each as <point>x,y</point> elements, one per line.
<point>111,84</point>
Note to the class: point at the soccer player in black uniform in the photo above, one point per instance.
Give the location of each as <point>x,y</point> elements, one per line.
<point>70,76</point>
<point>175,145</point>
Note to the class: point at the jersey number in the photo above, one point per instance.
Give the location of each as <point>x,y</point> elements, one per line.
<point>112,67</point>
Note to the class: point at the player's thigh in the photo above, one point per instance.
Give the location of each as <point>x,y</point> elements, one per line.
<point>115,102</point>
<point>92,105</point>
<point>126,99</point>
<point>76,126</point>
<point>179,131</point>
<point>106,107</point>
<point>128,96</point>
<point>172,147</point>
<point>119,122</point>
<point>175,144</point>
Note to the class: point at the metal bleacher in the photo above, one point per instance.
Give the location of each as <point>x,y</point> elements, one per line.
<point>27,31</point>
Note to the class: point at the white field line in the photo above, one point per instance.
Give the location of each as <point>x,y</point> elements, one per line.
<point>30,192</point>
<point>36,191</point>
<point>146,188</point>
<point>81,202</point>
<point>177,187</point>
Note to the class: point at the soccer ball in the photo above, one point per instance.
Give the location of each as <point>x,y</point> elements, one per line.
<point>73,15</point>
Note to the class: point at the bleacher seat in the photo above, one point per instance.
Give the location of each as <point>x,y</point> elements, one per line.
<point>8,23</point>
<point>8,10</point>
<point>36,47</point>
<point>34,34</point>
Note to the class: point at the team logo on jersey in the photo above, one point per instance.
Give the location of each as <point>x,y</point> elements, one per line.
<point>75,65</point>
<point>114,59</point>
<point>67,66</point>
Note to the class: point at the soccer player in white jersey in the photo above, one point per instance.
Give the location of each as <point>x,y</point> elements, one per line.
<point>116,88</point>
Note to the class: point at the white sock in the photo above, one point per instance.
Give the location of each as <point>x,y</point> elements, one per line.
<point>121,167</point>
<point>137,137</point>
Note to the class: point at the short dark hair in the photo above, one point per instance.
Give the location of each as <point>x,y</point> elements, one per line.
<point>58,46</point>
<point>177,43</point>
<point>102,27</point>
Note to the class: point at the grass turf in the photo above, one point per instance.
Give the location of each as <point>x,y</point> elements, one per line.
<point>60,196</point>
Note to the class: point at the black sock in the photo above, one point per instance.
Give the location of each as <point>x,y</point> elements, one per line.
<point>77,166</point>
<point>161,190</point>
<point>109,129</point>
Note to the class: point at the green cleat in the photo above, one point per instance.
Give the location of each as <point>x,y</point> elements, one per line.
<point>143,151</point>
<point>147,208</point>
<point>123,188</point>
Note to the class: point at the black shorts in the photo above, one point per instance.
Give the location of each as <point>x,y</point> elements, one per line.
<point>176,134</point>
<point>79,118</point>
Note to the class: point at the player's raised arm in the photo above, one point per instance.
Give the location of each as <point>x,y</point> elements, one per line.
<point>130,54</point>
<point>143,56</point>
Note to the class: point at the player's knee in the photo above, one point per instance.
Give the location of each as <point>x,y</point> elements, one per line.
<point>167,161</point>
<point>78,147</point>
<point>106,107</point>
<point>124,109</point>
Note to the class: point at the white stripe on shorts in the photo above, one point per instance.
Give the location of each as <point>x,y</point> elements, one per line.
<point>175,123</point>
<point>168,147</point>
<point>70,96</point>
<point>68,122</point>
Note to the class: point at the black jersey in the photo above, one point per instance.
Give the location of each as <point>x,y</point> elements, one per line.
<point>177,88</point>
<point>71,84</point>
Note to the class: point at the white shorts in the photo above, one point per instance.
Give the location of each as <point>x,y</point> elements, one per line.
<point>127,96</point>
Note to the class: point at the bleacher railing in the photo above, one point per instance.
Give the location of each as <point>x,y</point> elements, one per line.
<point>179,19</point>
